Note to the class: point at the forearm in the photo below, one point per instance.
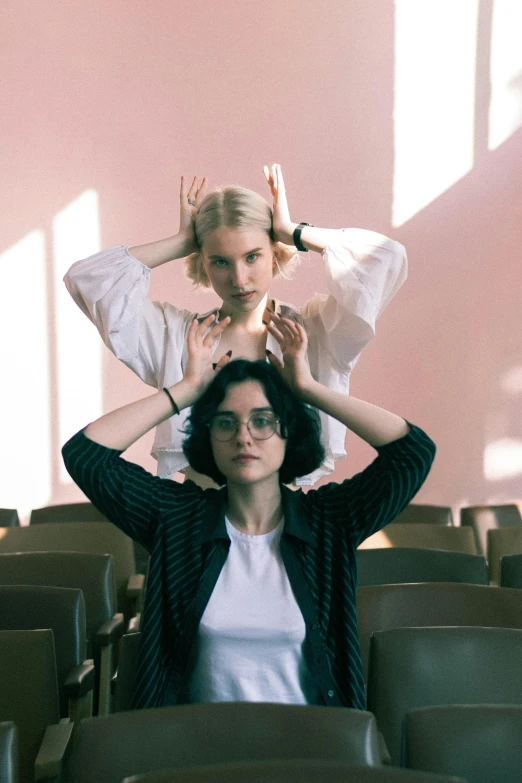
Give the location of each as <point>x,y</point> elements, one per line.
<point>157,253</point>
<point>374,425</point>
<point>312,237</point>
<point>121,428</point>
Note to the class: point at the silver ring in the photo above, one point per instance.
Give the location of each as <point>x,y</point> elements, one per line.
<point>191,201</point>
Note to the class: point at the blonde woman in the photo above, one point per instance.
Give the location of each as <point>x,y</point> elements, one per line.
<point>235,244</point>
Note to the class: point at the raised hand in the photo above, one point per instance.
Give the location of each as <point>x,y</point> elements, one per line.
<point>293,341</point>
<point>199,369</point>
<point>190,201</point>
<point>282,224</point>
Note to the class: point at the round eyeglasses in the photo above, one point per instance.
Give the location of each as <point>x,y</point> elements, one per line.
<point>261,426</point>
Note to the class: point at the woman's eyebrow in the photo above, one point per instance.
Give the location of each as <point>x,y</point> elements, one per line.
<point>252,410</point>
<point>248,253</point>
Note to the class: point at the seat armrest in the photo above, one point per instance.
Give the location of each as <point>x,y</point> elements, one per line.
<point>48,764</point>
<point>134,624</point>
<point>111,630</point>
<point>135,585</point>
<point>80,680</point>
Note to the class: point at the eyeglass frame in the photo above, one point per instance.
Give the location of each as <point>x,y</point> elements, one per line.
<point>238,424</point>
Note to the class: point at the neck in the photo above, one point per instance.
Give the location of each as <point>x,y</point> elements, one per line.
<point>251,321</point>
<point>255,508</point>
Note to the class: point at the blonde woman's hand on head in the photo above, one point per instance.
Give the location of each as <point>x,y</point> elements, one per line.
<point>282,224</point>
<point>199,369</point>
<point>293,341</point>
<point>191,197</point>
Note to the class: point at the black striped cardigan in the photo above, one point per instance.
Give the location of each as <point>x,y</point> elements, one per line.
<point>183,528</point>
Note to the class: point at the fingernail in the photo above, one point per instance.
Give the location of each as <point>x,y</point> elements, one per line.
<point>214,365</point>
<point>268,352</point>
<point>228,353</point>
<point>265,323</point>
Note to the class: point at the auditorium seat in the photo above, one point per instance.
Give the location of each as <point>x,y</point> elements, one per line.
<point>456,539</point>
<point>382,607</point>
<point>95,537</point>
<point>505,541</point>
<point>26,607</point>
<point>108,749</point>
<point>93,574</point>
<point>511,571</point>
<point>425,514</point>
<point>29,698</point>
<point>295,771</point>
<point>400,564</point>
<point>9,753</point>
<point>423,667</point>
<point>126,675</point>
<point>483,518</point>
<point>9,517</point>
<point>480,742</point>
<point>83,512</point>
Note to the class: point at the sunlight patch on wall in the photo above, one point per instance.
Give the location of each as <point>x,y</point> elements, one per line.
<point>25,456</point>
<point>435,56</point>
<point>503,459</point>
<point>76,234</point>
<point>505,111</point>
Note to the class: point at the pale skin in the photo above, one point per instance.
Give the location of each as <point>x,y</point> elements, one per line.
<point>237,263</point>
<point>251,467</point>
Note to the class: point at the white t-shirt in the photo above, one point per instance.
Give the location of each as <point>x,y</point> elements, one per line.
<point>363,270</point>
<point>249,645</point>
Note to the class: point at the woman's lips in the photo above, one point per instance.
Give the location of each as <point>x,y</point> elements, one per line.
<point>244,297</point>
<point>245,458</point>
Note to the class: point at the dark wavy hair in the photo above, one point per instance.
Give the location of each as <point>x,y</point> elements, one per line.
<point>299,424</point>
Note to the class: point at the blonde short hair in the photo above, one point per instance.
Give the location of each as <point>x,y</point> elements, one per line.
<point>241,209</point>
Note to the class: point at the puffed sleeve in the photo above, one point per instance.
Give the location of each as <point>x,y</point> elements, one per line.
<point>111,288</point>
<point>363,272</point>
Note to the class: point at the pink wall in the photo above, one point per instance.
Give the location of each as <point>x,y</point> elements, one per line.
<point>123,98</point>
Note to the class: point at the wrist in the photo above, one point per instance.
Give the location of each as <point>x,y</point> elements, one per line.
<point>285,234</point>
<point>184,393</point>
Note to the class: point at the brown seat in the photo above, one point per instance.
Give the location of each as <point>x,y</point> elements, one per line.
<point>9,753</point>
<point>424,667</point>
<point>511,571</point>
<point>457,539</point>
<point>9,517</point>
<point>93,574</point>
<point>400,564</point>
<point>29,697</point>
<point>83,512</point>
<point>26,607</point>
<point>425,514</point>
<point>296,771</point>
<point>482,742</point>
<point>504,541</point>
<point>484,518</point>
<point>95,537</point>
<point>382,607</point>
<point>108,749</point>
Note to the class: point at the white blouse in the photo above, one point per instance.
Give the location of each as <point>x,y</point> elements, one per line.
<point>363,271</point>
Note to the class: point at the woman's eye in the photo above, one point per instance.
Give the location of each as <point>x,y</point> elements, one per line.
<point>252,257</point>
<point>219,262</point>
<point>225,424</point>
<point>262,421</point>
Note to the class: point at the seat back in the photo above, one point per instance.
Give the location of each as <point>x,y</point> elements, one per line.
<point>511,571</point>
<point>481,742</point>
<point>425,514</point>
<point>67,512</point>
<point>295,771</point>
<point>484,518</point>
<point>9,517</point>
<point>93,574</point>
<point>28,690</point>
<point>9,752</point>
<point>127,663</point>
<point>382,607</point>
<point>457,539</point>
<point>94,537</point>
<point>423,667</point>
<point>500,542</point>
<point>126,743</point>
<point>25,607</point>
<point>400,564</point>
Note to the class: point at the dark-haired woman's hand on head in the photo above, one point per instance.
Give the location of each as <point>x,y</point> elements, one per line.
<point>199,369</point>
<point>282,224</point>
<point>293,341</point>
<point>190,201</point>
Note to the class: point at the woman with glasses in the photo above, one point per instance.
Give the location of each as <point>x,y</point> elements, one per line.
<point>235,244</point>
<point>251,591</point>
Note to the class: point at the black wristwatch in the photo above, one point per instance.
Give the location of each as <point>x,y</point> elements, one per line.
<point>297,237</point>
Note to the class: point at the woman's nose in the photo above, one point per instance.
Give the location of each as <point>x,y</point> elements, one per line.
<point>239,276</point>
<point>243,433</point>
